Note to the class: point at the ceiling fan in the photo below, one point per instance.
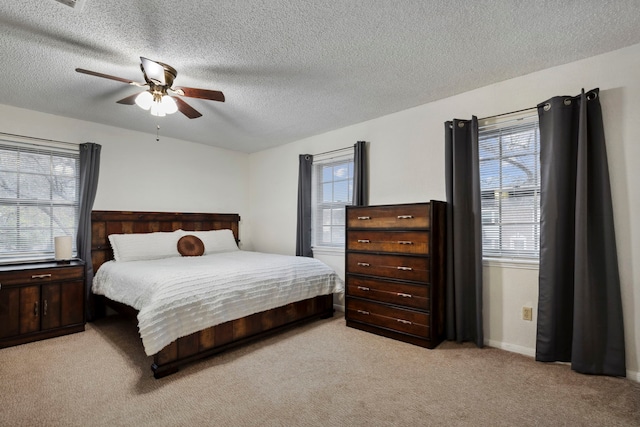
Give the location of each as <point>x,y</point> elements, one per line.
<point>160,97</point>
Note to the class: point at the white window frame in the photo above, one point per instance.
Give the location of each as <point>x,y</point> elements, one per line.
<point>502,254</point>
<point>12,176</point>
<point>331,159</point>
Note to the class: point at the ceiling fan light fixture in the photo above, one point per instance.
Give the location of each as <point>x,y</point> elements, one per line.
<point>157,110</point>
<point>168,104</point>
<point>144,100</point>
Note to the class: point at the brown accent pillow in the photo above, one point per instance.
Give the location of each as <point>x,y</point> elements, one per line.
<point>190,245</point>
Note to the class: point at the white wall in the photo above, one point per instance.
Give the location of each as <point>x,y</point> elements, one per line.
<point>139,173</point>
<point>407,165</point>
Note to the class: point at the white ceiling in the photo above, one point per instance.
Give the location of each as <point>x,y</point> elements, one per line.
<point>289,69</point>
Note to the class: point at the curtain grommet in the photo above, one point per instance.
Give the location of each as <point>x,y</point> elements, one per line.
<point>460,124</point>
<point>591,96</point>
<point>567,101</point>
<point>547,107</point>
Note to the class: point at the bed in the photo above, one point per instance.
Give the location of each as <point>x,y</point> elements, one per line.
<point>207,326</point>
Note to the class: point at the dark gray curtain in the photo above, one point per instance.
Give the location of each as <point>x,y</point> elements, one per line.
<point>464,232</point>
<point>303,234</point>
<point>89,171</point>
<point>360,175</point>
<point>579,305</point>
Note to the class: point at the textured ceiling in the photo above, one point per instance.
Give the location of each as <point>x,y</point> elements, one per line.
<point>289,69</point>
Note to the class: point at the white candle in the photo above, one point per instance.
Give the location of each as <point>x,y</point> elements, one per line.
<point>62,247</point>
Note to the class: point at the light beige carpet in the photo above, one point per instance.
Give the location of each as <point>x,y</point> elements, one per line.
<point>320,374</point>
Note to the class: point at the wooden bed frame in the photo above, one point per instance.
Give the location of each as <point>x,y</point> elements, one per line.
<point>214,339</point>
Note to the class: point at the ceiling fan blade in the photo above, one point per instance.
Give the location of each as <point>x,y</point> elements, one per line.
<point>129,100</point>
<point>107,76</point>
<point>153,70</point>
<point>187,109</point>
<point>191,92</point>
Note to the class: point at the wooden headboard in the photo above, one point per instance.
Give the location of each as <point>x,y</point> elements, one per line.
<point>104,223</point>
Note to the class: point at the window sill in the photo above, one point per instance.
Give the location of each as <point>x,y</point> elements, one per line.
<point>22,260</point>
<point>525,264</point>
<point>327,250</point>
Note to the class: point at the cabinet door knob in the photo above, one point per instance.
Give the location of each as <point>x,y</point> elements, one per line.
<point>363,312</point>
<point>44,308</point>
<point>405,242</point>
<point>35,309</point>
<point>405,216</point>
<point>364,218</point>
<point>403,295</point>
<point>405,268</point>
<point>363,241</point>
<point>363,264</point>
<point>41,276</point>
<point>363,288</point>
<point>406,322</point>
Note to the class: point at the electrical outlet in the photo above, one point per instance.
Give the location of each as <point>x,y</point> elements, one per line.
<point>527,313</point>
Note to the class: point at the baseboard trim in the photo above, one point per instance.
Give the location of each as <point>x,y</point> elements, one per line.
<point>526,351</point>
<point>634,376</point>
<point>531,352</point>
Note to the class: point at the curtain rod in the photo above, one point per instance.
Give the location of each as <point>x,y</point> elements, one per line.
<point>332,151</point>
<point>39,139</point>
<point>506,114</point>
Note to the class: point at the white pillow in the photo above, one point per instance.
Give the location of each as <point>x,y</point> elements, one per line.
<point>141,246</point>
<point>216,240</point>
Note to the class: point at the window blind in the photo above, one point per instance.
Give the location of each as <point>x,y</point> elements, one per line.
<point>509,152</point>
<point>332,190</point>
<point>39,187</point>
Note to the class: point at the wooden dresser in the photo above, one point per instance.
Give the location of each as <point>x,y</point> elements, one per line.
<point>40,300</point>
<point>395,271</point>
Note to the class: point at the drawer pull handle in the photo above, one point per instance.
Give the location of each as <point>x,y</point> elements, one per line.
<point>363,264</point>
<point>363,312</point>
<point>405,242</point>
<point>406,322</point>
<point>363,288</point>
<point>35,309</point>
<point>405,216</point>
<point>405,268</point>
<point>364,218</point>
<point>41,276</point>
<point>401,294</point>
<point>363,241</point>
<point>44,309</point>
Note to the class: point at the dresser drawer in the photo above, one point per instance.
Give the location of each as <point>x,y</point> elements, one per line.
<point>398,216</point>
<point>398,319</point>
<point>406,242</point>
<point>44,275</point>
<point>392,266</point>
<point>404,294</point>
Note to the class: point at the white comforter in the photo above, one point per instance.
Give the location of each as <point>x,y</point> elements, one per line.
<point>182,295</point>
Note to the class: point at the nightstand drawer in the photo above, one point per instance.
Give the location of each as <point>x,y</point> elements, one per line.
<point>397,319</point>
<point>403,294</point>
<point>392,266</point>
<point>397,216</point>
<point>44,275</point>
<point>406,242</point>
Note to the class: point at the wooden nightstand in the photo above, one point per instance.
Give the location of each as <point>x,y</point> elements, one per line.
<point>40,300</point>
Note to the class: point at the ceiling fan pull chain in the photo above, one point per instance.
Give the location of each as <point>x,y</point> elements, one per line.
<point>157,133</point>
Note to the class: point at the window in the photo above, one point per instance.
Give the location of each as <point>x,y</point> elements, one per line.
<point>510,188</point>
<point>38,199</point>
<point>332,190</point>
